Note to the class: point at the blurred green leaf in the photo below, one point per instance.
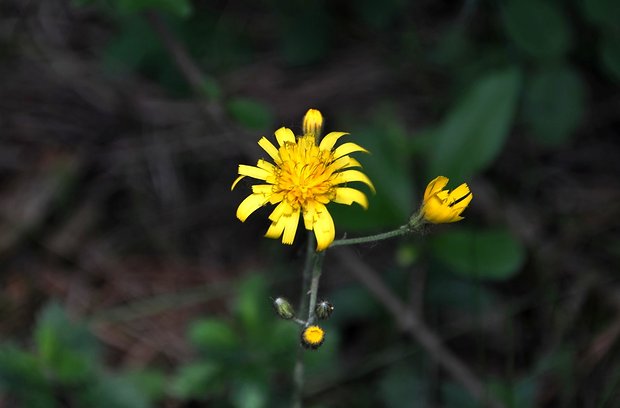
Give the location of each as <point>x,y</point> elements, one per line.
<point>474,132</point>
<point>67,349</point>
<point>353,303</point>
<point>213,335</point>
<point>538,27</point>
<point>249,395</point>
<point>388,166</point>
<point>554,103</point>
<point>150,382</point>
<point>252,307</point>
<point>22,377</point>
<point>197,380</point>
<point>402,386</point>
<point>605,13</point>
<point>519,394</point>
<point>484,254</point>
<point>609,52</point>
<point>250,113</point>
<point>112,392</point>
<point>179,8</point>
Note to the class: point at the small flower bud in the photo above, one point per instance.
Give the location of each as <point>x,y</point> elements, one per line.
<point>323,309</point>
<point>312,337</point>
<point>313,122</point>
<point>283,308</point>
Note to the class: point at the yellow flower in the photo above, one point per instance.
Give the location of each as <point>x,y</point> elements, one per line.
<point>305,177</point>
<point>442,206</point>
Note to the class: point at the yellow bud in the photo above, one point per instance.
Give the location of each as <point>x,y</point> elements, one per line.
<point>312,337</point>
<point>313,122</point>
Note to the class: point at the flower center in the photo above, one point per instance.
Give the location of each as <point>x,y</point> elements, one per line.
<point>305,177</point>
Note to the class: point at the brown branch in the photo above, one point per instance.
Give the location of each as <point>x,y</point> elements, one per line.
<point>411,323</point>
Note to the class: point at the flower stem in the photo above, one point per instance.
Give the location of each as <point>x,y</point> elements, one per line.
<point>299,370</point>
<point>314,286</point>
<point>402,230</point>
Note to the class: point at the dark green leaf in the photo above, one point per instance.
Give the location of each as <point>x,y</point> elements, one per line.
<point>537,27</point>
<point>605,13</point>
<point>250,113</point>
<point>213,335</point>
<point>252,307</point>
<point>484,254</point>
<point>22,377</point>
<point>554,104</point>
<point>112,392</point>
<point>249,395</point>
<point>474,132</point>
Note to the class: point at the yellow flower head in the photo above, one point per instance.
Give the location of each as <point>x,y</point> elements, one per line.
<point>312,337</point>
<point>304,178</point>
<point>442,206</point>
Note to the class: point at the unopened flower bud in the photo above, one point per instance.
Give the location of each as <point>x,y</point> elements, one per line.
<point>283,308</point>
<point>313,122</point>
<point>323,309</point>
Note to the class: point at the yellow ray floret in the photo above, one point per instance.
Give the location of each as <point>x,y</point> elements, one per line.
<point>303,178</point>
<point>443,206</point>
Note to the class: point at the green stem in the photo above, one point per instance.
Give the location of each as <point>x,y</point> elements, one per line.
<point>314,286</point>
<point>402,230</point>
<point>414,224</point>
<point>299,370</point>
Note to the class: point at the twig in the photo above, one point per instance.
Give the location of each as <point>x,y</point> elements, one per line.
<point>411,323</point>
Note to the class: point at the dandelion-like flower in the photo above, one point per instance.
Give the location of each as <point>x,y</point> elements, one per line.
<point>442,206</point>
<point>305,176</point>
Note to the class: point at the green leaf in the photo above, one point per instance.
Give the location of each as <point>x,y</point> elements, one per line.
<point>455,396</point>
<point>67,349</point>
<point>250,113</point>
<point>22,377</point>
<point>485,254</point>
<point>554,104</point>
<point>609,54</point>
<point>252,308</point>
<point>112,392</point>
<point>605,13</point>
<point>537,27</point>
<point>213,335</point>
<point>150,382</point>
<point>451,292</point>
<point>474,132</point>
<point>197,380</point>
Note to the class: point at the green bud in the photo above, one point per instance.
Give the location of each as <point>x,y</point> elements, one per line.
<point>283,308</point>
<point>323,309</point>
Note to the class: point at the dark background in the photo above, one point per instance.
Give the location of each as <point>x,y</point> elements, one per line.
<point>127,281</point>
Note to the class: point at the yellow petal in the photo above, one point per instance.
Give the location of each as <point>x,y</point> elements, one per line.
<point>324,229</point>
<point>284,135</point>
<point>265,189</point>
<point>250,204</point>
<point>237,180</point>
<point>348,196</point>
<point>353,175</point>
<point>435,186</point>
<point>348,148</point>
<point>276,228</point>
<point>290,228</point>
<point>330,140</point>
<point>281,209</point>
<point>265,165</point>
<point>254,172</point>
<point>458,194</point>
<point>345,162</point>
<point>269,148</point>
